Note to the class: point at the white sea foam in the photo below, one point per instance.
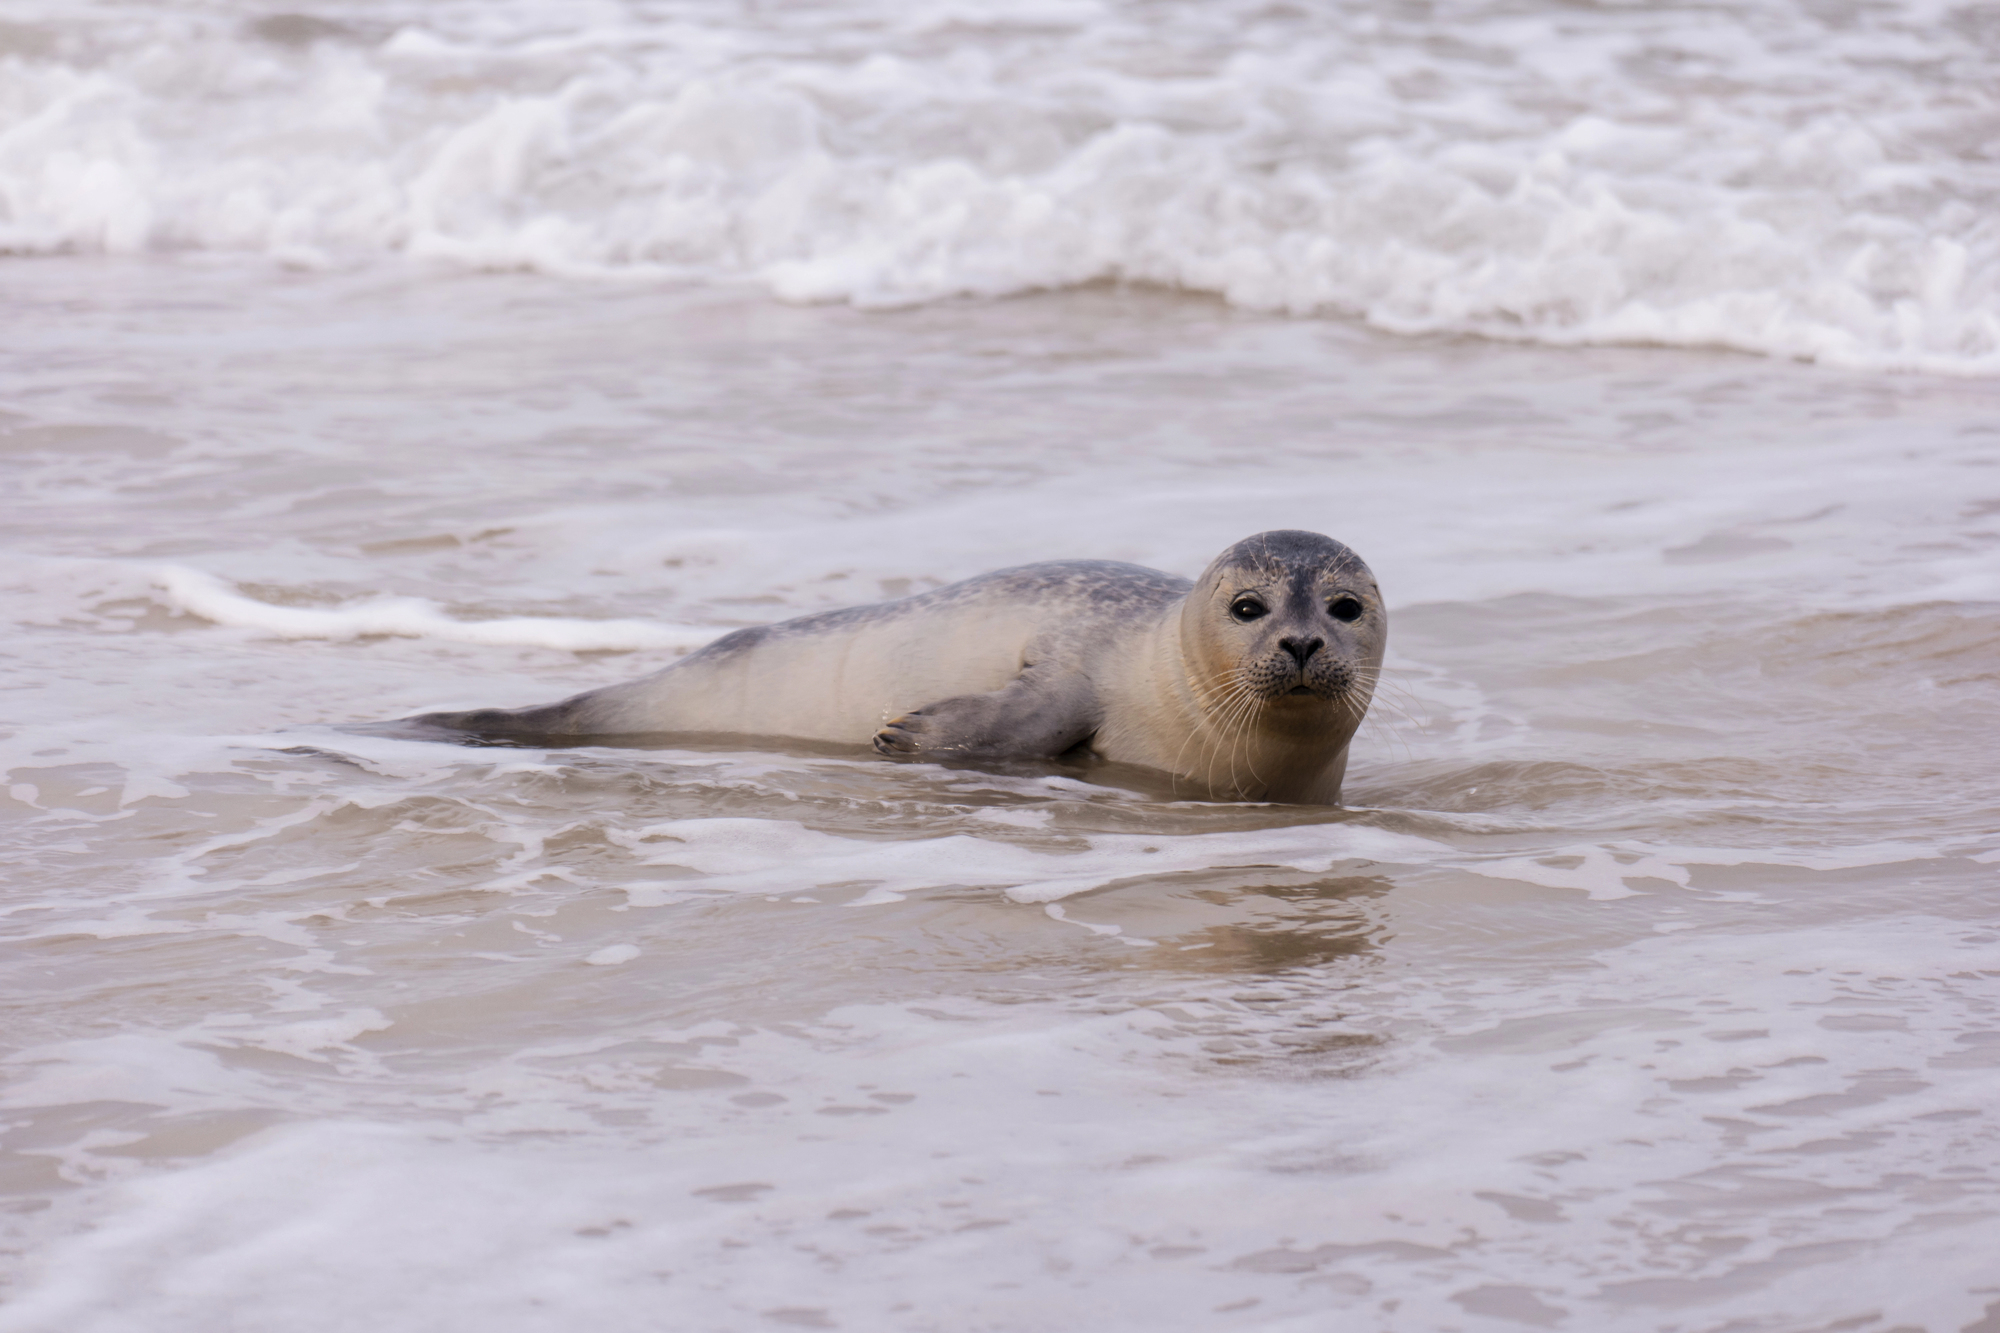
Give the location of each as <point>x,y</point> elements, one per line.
<point>1774,178</point>
<point>1605,871</point>
<point>773,856</point>
<point>203,595</point>
<point>764,856</point>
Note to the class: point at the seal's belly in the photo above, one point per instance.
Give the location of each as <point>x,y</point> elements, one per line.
<point>844,687</point>
<point>838,684</point>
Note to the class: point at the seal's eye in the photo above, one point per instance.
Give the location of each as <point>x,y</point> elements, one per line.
<point>1247,608</point>
<point>1344,608</point>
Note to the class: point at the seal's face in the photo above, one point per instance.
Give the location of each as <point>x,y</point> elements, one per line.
<point>1286,626</point>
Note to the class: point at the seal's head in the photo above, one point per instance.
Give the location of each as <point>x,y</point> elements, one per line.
<point>1288,627</point>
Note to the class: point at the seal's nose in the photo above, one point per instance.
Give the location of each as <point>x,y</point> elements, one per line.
<point>1301,650</point>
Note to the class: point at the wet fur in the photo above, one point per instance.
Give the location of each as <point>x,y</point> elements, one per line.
<point>1028,663</point>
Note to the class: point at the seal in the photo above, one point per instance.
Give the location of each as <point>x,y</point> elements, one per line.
<point>1247,683</point>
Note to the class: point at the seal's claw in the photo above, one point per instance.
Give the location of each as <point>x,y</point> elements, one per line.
<point>899,735</point>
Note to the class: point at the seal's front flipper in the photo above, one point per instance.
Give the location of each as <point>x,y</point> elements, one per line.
<point>1022,721</point>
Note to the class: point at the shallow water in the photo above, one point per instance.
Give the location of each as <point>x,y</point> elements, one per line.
<point>1648,980</point>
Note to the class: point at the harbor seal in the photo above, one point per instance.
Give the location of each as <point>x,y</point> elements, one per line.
<point>1246,683</point>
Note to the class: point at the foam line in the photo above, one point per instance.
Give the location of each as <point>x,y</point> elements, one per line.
<point>199,594</point>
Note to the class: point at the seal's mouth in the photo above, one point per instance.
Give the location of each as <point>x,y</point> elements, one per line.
<point>1278,680</point>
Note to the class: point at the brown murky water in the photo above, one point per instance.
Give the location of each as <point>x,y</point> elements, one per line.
<point>1650,980</point>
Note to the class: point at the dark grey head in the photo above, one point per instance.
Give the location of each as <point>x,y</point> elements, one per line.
<point>1289,621</point>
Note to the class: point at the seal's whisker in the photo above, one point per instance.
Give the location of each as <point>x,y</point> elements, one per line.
<point>1238,704</point>
<point>1209,700</point>
<point>1249,753</point>
<point>1377,679</point>
<point>1214,701</point>
<point>1400,711</point>
<point>1240,721</point>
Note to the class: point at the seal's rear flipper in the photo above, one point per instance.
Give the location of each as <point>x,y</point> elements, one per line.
<point>473,727</point>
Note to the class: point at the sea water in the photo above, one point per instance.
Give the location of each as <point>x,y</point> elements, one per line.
<point>384,357</point>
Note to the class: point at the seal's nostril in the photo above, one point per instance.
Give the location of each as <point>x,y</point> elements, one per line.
<point>1300,651</point>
